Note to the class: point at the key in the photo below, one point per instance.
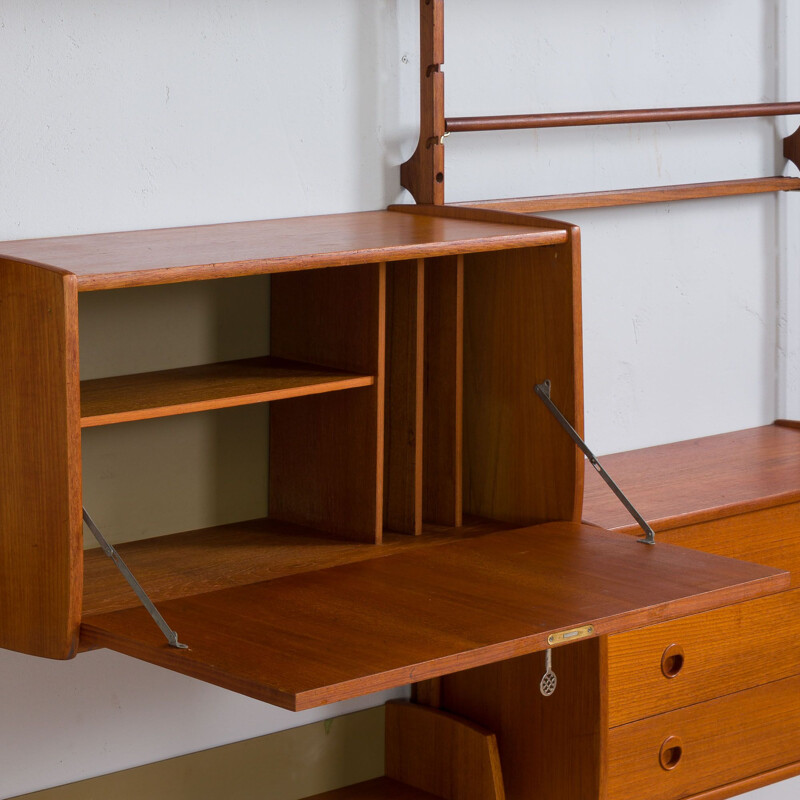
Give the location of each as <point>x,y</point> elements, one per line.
<point>549,680</point>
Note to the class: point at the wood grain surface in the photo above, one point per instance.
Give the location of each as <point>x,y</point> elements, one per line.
<point>769,536</point>
<point>725,651</point>
<point>196,562</point>
<point>549,746</point>
<point>172,255</point>
<point>698,480</point>
<point>326,452</point>
<point>40,456</point>
<point>618,117</point>
<point>440,753</point>
<point>750,783</point>
<point>405,323</point>
<point>147,395</point>
<point>423,173</point>
<point>443,400</point>
<point>522,325</point>
<point>724,740</point>
<point>324,636</point>
<point>631,197</point>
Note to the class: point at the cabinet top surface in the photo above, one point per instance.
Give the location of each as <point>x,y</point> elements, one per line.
<point>172,255</point>
<point>700,479</point>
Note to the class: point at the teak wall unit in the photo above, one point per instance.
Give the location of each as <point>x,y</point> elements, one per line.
<point>424,505</point>
<point>424,508</point>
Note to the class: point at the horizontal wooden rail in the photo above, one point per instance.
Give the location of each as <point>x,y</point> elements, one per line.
<point>572,119</point>
<point>629,197</point>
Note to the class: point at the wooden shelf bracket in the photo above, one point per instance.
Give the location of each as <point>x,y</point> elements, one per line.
<point>791,148</point>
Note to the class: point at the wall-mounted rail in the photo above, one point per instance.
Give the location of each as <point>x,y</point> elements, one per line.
<point>424,173</point>
<point>633,116</point>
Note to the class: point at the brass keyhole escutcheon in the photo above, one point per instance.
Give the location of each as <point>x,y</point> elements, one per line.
<point>672,661</point>
<point>671,753</point>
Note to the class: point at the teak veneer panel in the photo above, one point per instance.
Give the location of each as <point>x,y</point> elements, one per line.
<point>697,480</point>
<point>725,651</point>
<point>522,325</point>
<point>550,747</point>
<point>724,740</point>
<point>324,636</point>
<point>443,754</point>
<point>326,451</point>
<point>172,255</point>
<point>40,453</point>
<point>147,395</point>
<point>443,452</point>
<point>769,536</point>
<point>405,315</point>
<point>196,562</point>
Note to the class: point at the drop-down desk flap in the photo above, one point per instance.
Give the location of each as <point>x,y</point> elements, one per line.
<point>326,635</point>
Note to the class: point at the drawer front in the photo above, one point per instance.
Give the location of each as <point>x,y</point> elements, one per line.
<point>708,745</point>
<point>697,658</point>
<point>769,536</point>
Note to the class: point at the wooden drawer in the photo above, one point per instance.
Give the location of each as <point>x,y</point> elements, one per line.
<point>769,536</point>
<point>721,741</point>
<point>689,660</point>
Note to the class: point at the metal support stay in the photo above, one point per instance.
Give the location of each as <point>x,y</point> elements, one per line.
<point>111,552</point>
<point>543,390</point>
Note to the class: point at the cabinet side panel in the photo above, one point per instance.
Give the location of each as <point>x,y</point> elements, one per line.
<point>405,309</point>
<point>444,380</point>
<point>40,483</point>
<point>550,747</point>
<point>326,452</point>
<point>522,325</point>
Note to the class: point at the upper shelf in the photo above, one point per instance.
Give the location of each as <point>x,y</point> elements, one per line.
<point>147,395</point>
<point>697,480</point>
<point>315,638</point>
<point>172,255</point>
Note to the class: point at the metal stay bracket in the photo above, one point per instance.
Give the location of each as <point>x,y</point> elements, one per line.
<point>543,390</point>
<point>111,552</point>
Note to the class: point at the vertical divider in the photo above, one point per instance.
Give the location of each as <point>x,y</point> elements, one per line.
<point>443,396</point>
<point>405,316</point>
<point>326,451</point>
<point>523,326</point>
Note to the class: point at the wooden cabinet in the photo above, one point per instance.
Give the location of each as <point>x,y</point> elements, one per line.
<point>424,507</point>
<point>723,684</point>
<point>713,744</point>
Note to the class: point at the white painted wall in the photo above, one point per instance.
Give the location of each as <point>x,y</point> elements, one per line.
<point>151,114</point>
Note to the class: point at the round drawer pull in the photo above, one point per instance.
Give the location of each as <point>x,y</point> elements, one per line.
<point>672,661</point>
<point>671,752</point>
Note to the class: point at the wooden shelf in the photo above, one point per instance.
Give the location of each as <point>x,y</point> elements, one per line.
<point>197,562</point>
<point>318,637</point>
<point>123,398</point>
<point>698,480</point>
<point>170,255</point>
